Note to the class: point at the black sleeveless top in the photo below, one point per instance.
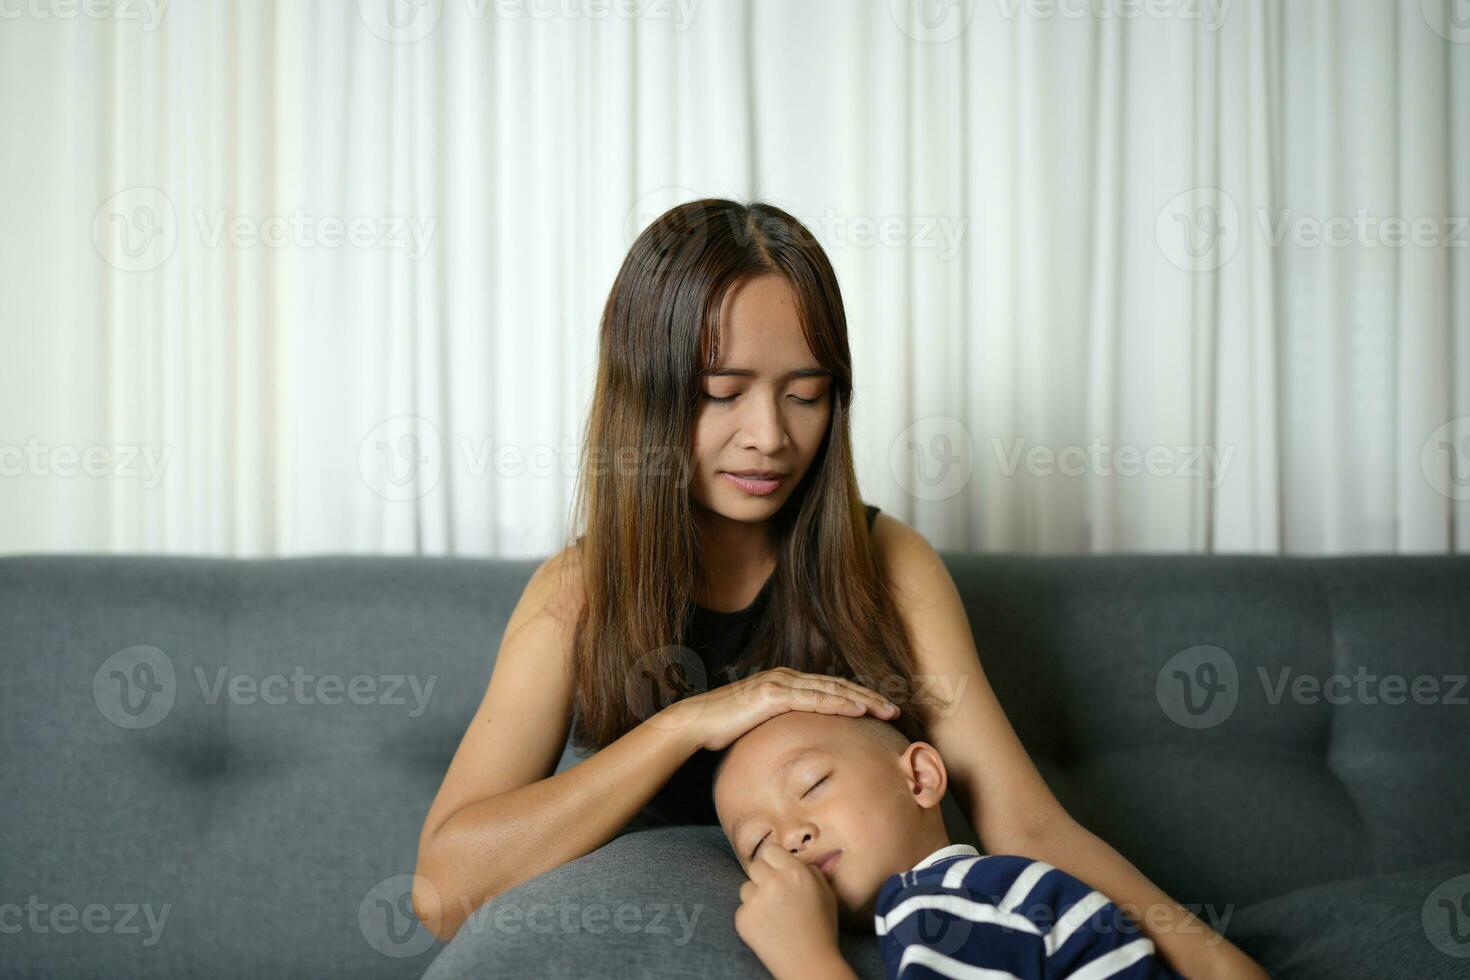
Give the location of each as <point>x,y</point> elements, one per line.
<point>719,638</point>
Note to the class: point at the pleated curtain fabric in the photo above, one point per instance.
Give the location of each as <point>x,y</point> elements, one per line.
<point>1180,275</point>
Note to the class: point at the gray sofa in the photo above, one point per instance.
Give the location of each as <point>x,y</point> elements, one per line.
<point>219,768</point>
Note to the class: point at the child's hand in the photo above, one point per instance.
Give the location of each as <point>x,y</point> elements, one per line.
<point>788,915</point>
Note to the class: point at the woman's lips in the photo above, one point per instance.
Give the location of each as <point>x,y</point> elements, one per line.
<point>758,488</point>
<point>826,865</point>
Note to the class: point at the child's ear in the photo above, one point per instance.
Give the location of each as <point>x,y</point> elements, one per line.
<point>928,779</point>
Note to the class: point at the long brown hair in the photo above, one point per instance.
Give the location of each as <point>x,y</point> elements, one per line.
<point>638,552</point>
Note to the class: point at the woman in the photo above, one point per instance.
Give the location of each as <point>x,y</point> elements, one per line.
<point>728,572</point>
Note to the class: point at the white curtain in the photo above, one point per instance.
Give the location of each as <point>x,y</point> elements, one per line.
<point>1121,275</point>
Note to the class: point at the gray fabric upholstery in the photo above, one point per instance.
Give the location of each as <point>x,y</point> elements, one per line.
<point>277,837</point>
<point>661,903</point>
<point>1373,926</point>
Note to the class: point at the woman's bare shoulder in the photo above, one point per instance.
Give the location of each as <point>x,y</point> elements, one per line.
<point>914,567</point>
<point>556,588</point>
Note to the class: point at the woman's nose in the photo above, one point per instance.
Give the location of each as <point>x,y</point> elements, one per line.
<point>763,427</point>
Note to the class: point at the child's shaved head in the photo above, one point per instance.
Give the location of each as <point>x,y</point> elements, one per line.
<point>852,791</point>
<point>882,734</point>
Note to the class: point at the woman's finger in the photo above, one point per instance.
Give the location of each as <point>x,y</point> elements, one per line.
<point>841,686</point>
<point>813,696</point>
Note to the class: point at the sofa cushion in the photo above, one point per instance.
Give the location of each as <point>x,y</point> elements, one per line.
<point>1411,924</point>
<point>658,902</point>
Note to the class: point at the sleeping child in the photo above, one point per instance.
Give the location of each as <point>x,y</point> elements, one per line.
<point>837,823</point>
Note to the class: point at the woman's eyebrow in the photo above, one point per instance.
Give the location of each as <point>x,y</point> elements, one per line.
<point>809,372</point>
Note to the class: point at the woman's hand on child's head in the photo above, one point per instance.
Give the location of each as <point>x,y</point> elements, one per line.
<point>720,716</point>
<point>788,914</point>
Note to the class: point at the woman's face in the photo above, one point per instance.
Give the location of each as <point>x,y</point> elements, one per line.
<point>764,407</point>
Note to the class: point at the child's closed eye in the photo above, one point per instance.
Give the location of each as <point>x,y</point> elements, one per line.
<point>755,850</point>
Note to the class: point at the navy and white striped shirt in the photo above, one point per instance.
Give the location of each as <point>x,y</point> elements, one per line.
<point>960,914</point>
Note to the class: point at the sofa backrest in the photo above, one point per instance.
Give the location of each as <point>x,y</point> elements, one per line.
<point>217,767</point>
<point>1239,726</point>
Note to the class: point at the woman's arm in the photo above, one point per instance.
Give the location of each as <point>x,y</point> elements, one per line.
<point>1010,806</point>
<point>1187,944</point>
<point>500,817</point>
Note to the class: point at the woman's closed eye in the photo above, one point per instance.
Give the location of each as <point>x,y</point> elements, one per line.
<point>758,843</point>
<point>730,398</point>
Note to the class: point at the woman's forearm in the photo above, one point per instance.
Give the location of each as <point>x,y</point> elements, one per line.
<point>495,844</point>
<point>1184,941</point>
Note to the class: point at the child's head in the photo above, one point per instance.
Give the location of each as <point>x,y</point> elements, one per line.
<point>815,783</point>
